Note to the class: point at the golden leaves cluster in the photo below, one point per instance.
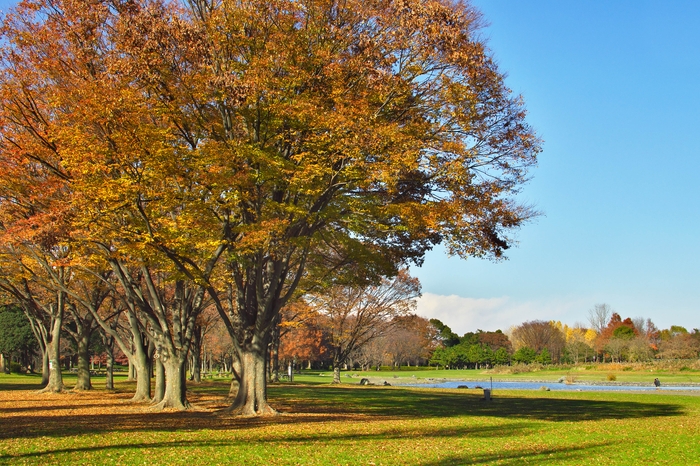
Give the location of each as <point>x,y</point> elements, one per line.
<point>165,126</point>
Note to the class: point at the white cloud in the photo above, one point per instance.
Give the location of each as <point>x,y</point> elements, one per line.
<point>464,315</point>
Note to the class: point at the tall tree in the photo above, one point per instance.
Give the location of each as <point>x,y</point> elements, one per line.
<point>598,316</point>
<point>354,315</point>
<point>445,334</point>
<point>44,305</point>
<point>227,144</point>
<point>410,340</point>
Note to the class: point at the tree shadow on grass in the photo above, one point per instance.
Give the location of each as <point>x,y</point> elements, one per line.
<point>316,441</point>
<point>21,386</point>
<point>551,455</point>
<point>314,404</point>
<point>432,403</point>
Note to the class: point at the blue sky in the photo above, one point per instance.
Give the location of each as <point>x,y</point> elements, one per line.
<point>612,88</point>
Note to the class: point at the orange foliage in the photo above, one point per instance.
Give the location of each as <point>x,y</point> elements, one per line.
<point>174,136</point>
<point>301,336</point>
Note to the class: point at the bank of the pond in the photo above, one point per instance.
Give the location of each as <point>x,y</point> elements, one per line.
<point>534,384</point>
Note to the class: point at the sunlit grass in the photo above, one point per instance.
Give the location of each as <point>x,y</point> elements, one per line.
<point>324,424</point>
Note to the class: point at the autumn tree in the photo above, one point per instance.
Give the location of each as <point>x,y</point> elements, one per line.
<point>678,343</point>
<point>353,315</point>
<point>302,337</point>
<point>495,340</point>
<point>371,354</point>
<point>226,146</point>
<point>616,336</point>
<point>409,340</point>
<point>538,335</point>
<point>578,342</point>
<point>598,316</point>
<point>44,308</point>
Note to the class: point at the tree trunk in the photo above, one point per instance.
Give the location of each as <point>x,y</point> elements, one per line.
<point>44,367</point>
<point>196,352</point>
<point>131,372</point>
<point>83,381</point>
<point>336,367</point>
<point>336,373</point>
<point>151,356</point>
<point>2,363</point>
<point>236,373</point>
<point>160,382</point>
<point>175,385</point>
<point>143,376</point>
<point>196,369</point>
<point>55,383</point>
<point>276,336</point>
<point>109,374</point>
<point>275,357</point>
<point>251,399</point>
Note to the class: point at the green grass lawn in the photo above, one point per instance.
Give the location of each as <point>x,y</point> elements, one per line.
<point>349,424</point>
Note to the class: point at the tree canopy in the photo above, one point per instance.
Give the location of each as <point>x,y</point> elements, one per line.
<point>248,151</point>
<point>15,331</point>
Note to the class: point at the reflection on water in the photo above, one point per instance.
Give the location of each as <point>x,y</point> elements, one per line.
<point>551,386</point>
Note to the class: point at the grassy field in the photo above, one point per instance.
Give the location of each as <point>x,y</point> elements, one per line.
<point>349,424</point>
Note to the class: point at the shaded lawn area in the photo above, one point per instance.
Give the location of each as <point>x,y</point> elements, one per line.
<point>352,425</point>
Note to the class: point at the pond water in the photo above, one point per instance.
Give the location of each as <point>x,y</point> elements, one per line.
<point>552,386</point>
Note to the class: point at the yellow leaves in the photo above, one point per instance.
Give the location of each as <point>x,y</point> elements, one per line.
<point>242,128</point>
<point>262,235</point>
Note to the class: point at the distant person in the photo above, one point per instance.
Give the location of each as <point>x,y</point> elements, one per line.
<point>657,383</point>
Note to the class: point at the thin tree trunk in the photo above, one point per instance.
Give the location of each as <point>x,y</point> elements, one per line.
<point>109,341</point>
<point>109,374</point>
<point>336,367</point>
<point>150,357</point>
<point>55,383</point>
<point>44,366</point>
<point>336,373</point>
<point>143,376</point>
<point>160,382</point>
<point>196,352</point>
<point>275,354</point>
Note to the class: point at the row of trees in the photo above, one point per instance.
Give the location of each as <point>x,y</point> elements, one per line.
<point>639,339</point>
<point>158,159</point>
<point>370,332</point>
<point>543,342</point>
